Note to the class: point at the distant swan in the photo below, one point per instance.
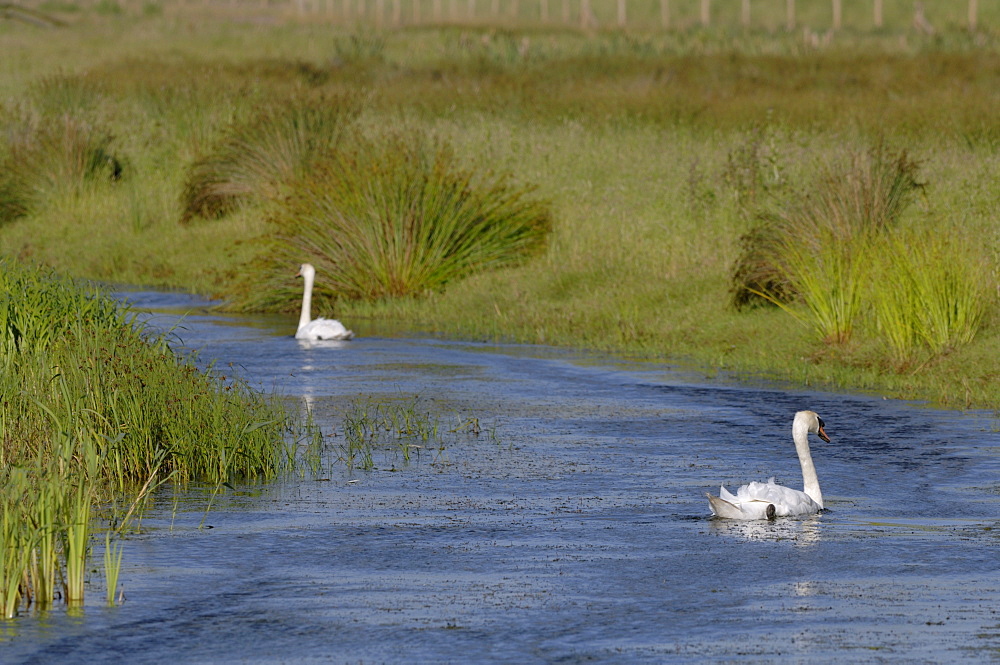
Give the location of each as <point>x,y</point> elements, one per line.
<point>769,500</point>
<point>320,328</point>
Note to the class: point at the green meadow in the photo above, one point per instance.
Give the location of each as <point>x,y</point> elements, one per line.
<point>804,206</point>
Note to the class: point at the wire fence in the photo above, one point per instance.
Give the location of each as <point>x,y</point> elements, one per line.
<point>927,16</point>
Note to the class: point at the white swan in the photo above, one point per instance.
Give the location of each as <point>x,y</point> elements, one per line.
<point>769,500</point>
<point>320,328</point>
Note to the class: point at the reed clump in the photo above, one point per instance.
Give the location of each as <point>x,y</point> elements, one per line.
<point>53,155</point>
<point>928,292</point>
<point>863,195</point>
<point>257,159</point>
<point>841,253</point>
<point>399,215</point>
<point>95,409</point>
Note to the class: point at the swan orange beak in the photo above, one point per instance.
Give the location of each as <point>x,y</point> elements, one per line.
<point>822,434</point>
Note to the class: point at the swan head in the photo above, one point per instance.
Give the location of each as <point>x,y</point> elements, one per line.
<point>307,271</point>
<point>813,423</point>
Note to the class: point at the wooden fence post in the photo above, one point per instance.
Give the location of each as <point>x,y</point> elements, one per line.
<point>878,13</point>
<point>973,10</point>
<point>745,14</point>
<point>622,18</point>
<point>790,15</point>
<point>706,15</point>
<point>836,14</point>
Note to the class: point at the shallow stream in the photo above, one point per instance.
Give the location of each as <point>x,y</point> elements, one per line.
<point>572,528</point>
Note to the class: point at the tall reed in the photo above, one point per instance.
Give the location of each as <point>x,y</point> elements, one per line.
<point>829,278</point>
<point>929,293</point>
<point>399,215</point>
<point>863,193</point>
<point>95,408</point>
<point>113,552</point>
<point>257,158</point>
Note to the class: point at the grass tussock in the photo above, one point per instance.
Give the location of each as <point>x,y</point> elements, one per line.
<point>928,292</point>
<point>841,253</point>
<point>863,195</point>
<point>52,156</point>
<point>400,216</point>
<point>94,411</point>
<point>257,159</point>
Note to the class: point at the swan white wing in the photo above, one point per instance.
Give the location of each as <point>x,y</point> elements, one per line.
<point>785,500</point>
<point>318,329</point>
<point>736,510</point>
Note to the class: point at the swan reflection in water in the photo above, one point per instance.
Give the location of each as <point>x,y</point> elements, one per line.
<point>308,344</point>
<point>803,532</point>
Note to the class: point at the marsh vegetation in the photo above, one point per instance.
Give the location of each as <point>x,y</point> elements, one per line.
<point>98,412</point>
<point>630,172</point>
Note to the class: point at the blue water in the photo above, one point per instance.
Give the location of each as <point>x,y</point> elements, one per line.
<point>573,528</point>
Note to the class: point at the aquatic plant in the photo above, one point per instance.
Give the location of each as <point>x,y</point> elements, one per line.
<point>94,407</point>
<point>113,552</point>
<point>399,216</point>
<point>256,159</point>
<point>398,427</point>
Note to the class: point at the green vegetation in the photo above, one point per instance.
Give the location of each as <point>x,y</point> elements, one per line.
<point>97,412</point>
<point>399,429</point>
<point>258,159</point>
<point>397,216</point>
<point>654,152</point>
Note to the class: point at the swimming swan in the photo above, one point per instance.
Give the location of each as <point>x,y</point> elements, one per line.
<point>320,328</point>
<point>769,500</point>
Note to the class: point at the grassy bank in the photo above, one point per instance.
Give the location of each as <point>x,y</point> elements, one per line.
<point>96,414</point>
<point>656,152</point>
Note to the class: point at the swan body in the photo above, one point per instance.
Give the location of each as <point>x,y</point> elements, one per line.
<point>316,329</point>
<point>768,500</point>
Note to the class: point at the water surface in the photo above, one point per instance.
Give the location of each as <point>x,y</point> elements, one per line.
<point>573,528</point>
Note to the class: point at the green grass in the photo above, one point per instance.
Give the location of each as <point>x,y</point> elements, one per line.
<point>97,411</point>
<point>929,294</point>
<point>257,160</point>
<point>648,147</point>
<point>398,215</point>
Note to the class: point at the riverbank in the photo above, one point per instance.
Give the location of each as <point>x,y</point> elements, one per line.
<point>655,153</point>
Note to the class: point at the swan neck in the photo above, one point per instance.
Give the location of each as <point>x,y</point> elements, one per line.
<point>306,315</point>
<point>810,481</point>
